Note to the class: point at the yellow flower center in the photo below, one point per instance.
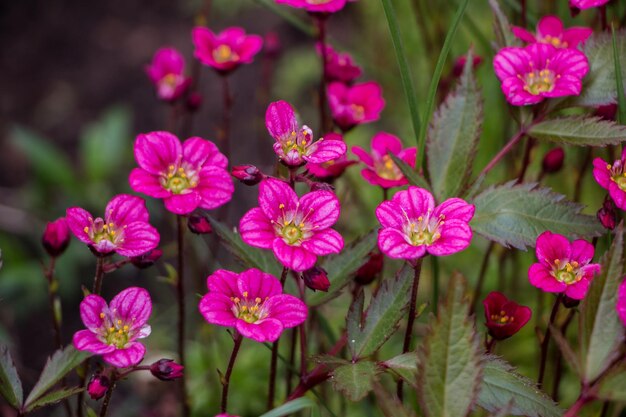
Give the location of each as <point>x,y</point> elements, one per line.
<point>387,169</point>
<point>424,231</point>
<point>502,318</point>
<point>537,82</point>
<point>249,310</point>
<point>566,272</point>
<point>177,180</point>
<point>224,53</point>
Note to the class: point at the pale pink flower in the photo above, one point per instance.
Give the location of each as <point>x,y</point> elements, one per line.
<point>316,6</point>
<point>354,105</point>
<point>612,178</point>
<point>550,30</point>
<point>226,50</point>
<point>339,65</point>
<point>167,73</point>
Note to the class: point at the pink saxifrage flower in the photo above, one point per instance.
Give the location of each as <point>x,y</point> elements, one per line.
<point>112,331</point>
<point>339,65</point>
<point>124,228</point>
<point>563,267</point>
<point>253,303</point>
<point>296,229</point>
<point>167,73</point>
<point>334,168</point>
<point>186,176</point>
<point>621,302</point>
<point>226,50</point>
<point>412,226</point>
<point>550,30</point>
<point>587,4</point>
<point>539,71</point>
<point>354,105</point>
<point>294,144</point>
<point>612,178</point>
<point>381,170</point>
<point>316,6</point>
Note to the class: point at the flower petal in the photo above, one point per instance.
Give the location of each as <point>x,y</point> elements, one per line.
<point>578,290</point>
<point>383,143</point>
<point>224,282</point>
<point>273,194</point>
<point>89,341</point>
<point>256,229</point>
<point>320,208</point>
<point>293,257</point>
<point>456,235</point>
<point>415,202</point>
<point>540,277</point>
<point>139,238</point>
<point>601,173</point>
<point>77,220</point>
<point>326,150</point>
<point>183,203</point>
<point>290,310</point>
<point>362,154</point>
<point>280,120</point>
<point>156,151</point>
<point>215,187</point>
<point>143,182</point>
<point>552,246</point>
<point>455,208</point>
<point>198,152</point>
<point>582,251</point>
<point>389,214</point>
<point>124,209</point>
<point>90,309</point>
<point>217,308</point>
<point>132,305</point>
<point>267,330</point>
<point>131,355</point>
<point>257,283</point>
<point>393,244</point>
<point>324,242</point>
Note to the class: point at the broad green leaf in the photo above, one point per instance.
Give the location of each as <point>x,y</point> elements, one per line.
<point>600,331</point>
<point>405,365</point>
<point>501,26</point>
<point>619,82</point>
<point>453,137</point>
<point>250,256</point>
<point>10,384</point>
<point>409,173</point>
<point>579,130</point>
<point>612,386</point>
<point>341,268</point>
<point>355,380</point>
<point>329,361</point>
<point>291,407</point>
<point>59,365</point>
<point>354,323</point>
<point>53,397</point>
<point>514,215</point>
<point>450,367</point>
<point>503,388</point>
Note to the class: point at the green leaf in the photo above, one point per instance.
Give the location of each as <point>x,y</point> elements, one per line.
<point>514,215</point>
<point>619,82</point>
<point>410,174</point>
<point>354,322</point>
<point>59,365</point>
<point>502,388</point>
<point>291,407</point>
<point>453,137</point>
<point>612,386</point>
<point>450,367</point>
<point>405,366</point>
<point>341,268</point>
<point>600,331</point>
<point>53,397</point>
<point>10,384</point>
<point>568,353</point>
<point>579,130</point>
<point>250,256</point>
<point>355,380</point>
<point>501,26</point>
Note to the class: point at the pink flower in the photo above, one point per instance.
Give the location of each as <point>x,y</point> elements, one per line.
<point>539,70</point>
<point>334,168</point>
<point>124,229</point>
<point>550,30</point>
<point>297,230</point>
<point>112,330</point>
<point>354,105</point>
<point>612,178</point>
<point>413,226</point>
<point>225,51</point>
<point>381,170</point>
<point>186,176</point>
<point>563,267</point>
<point>587,4</point>
<point>316,6</point>
<point>339,66</point>
<point>253,303</point>
<point>294,145</point>
<point>167,72</point>
<point>621,302</point>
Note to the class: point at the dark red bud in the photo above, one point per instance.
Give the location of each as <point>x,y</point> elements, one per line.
<point>56,237</point>
<point>248,174</point>
<point>322,186</point>
<point>607,214</point>
<point>194,101</point>
<point>271,44</point>
<point>570,302</point>
<point>147,259</point>
<point>459,64</point>
<point>199,224</point>
<point>98,386</point>
<point>166,370</point>
<point>607,112</point>
<point>370,269</point>
<point>553,160</point>
<point>316,279</point>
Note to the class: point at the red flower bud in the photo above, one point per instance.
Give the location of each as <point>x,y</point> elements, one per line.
<point>248,174</point>
<point>166,370</point>
<point>460,62</point>
<point>147,259</point>
<point>504,317</point>
<point>194,101</point>
<point>56,237</point>
<point>98,386</point>
<point>271,45</point>
<point>570,302</point>
<point>316,279</point>
<point>607,112</point>
<point>199,224</point>
<point>607,214</point>
<point>553,160</point>
<point>370,269</point>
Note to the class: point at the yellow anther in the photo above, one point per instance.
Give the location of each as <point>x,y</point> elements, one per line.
<point>170,175</point>
<point>244,308</point>
<point>112,232</point>
<point>111,329</point>
<point>171,167</point>
<point>257,300</point>
<point>86,229</point>
<point>608,166</point>
<point>105,226</point>
<point>568,267</point>
<point>304,143</point>
<point>301,224</point>
<point>126,328</point>
<point>102,315</point>
<point>119,322</point>
<point>557,261</point>
<point>575,264</point>
<point>111,225</point>
<point>236,300</point>
<point>181,170</point>
<point>245,294</point>
<point>546,80</point>
<point>420,218</point>
<point>120,331</point>
<point>281,206</point>
<point>531,75</point>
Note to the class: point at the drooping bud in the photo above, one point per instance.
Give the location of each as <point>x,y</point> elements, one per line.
<point>553,160</point>
<point>166,370</point>
<point>98,386</point>
<point>56,237</point>
<point>316,279</point>
<point>370,269</point>
<point>199,224</point>
<point>147,259</point>
<point>248,174</point>
<point>607,214</point>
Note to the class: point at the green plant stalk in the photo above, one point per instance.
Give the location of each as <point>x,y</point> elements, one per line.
<point>180,298</point>
<point>274,360</point>
<point>231,363</point>
<point>546,340</point>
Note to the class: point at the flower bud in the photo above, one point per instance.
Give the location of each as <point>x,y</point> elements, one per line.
<point>607,112</point>
<point>98,386</point>
<point>553,160</point>
<point>194,101</point>
<point>56,237</point>
<point>147,259</point>
<point>248,174</point>
<point>460,62</point>
<point>199,224</point>
<point>271,45</point>
<point>570,302</point>
<point>316,279</point>
<point>607,214</point>
<point>166,370</point>
<point>370,269</point>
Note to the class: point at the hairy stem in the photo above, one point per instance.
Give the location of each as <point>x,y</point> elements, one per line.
<point>559,358</point>
<point>481,277</point>
<point>231,363</point>
<point>180,293</point>
<point>546,340</point>
<point>97,281</point>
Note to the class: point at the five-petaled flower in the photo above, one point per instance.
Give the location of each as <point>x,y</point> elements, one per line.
<point>226,50</point>
<point>253,303</point>
<point>113,330</point>
<point>167,72</point>
<point>316,6</point>
<point>539,71</point>
<point>339,65</point>
<point>381,170</point>
<point>354,105</point>
<point>296,229</point>
<point>550,30</point>
<point>612,178</point>
<point>563,267</point>
<point>294,145</point>
<point>504,317</point>
<point>587,4</point>
<point>186,176</point>
<point>124,228</point>
<point>412,226</point>
<point>330,170</point>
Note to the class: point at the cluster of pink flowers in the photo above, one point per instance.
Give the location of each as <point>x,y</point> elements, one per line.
<point>227,50</point>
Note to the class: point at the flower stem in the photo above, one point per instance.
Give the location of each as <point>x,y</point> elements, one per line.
<point>559,358</point>
<point>107,398</point>
<point>506,149</point>
<point>180,292</point>
<point>546,340</point>
<point>97,281</point>
<point>530,143</point>
<point>409,326</point>
<point>231,363</point>
<point>303,342</point>
<point>481,277</point>
<point>274,361</point>
<point>574,409</point>
<point>435,264</point>
<point>227,98</point>
<point>321,25</point>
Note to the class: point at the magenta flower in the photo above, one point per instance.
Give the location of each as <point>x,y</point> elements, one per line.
<point>539,71</point>
<point>413,226</point>
<point>226,50</point>
<point>563,267</point>
<point>186,176</point>
<point>381,170</point>
<point>294,145</point>
<point>612,178</point>
<point>253,303</point>
<point>112,331</point>
<point>621,302</point>
<point>316,6</point>
<point>504,317</point>
<point>334,168</point>
<point>354,105</point>
<point>167,72</point>
<point>587,4</point>
<point>339,65</point>
<point>297,230</point>
<point>124,228</point>
<point>550,30</point>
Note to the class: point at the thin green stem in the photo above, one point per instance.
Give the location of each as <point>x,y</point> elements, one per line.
<point>231,363</point>
<point>180,295</point>
<point>274,360</point>
<point>97,280</point>
<point>546,340</point>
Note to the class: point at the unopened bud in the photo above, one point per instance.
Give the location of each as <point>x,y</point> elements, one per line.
<point>56,237</point>
<point>166,370</point>
<point>199,224</point>
<point>248,174</point>
<point>98,386</point>
<point>607,214</point>
<point>570,302</point>
<point>553,160</point>
<point>271,44</point>
<point>460,62</point>
<point>316,279</point>
<point>370,269</point>
<point>322,186</point>
<point>147,259</point>
<point>194,101</point>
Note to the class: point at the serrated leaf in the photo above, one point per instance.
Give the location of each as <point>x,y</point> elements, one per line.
<point>291,407</point>
<point>502,388</point>
<point>340,268</point>
<point>10,383</point>
<point>612,386</point>
<point>409,173</point>
<point>514,215</point>
<point>568,353</point>
<point>53,397</point>
<point>453,136</point>
<point>600,330</point>
<point>250,256</point>
<point>501,26</point>
<point>329,361</point>
<point>389,404</point>
<point>59,365</point>
<point>579,130</point>
<point>354,322</point>
<point>450,362</point>
<point>355,380</point>
<point>405,366</point>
